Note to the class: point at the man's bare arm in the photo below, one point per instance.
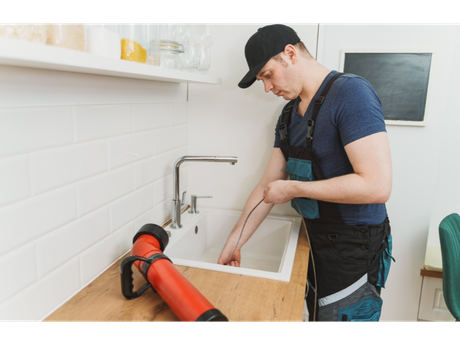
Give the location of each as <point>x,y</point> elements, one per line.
<point>370,183</point>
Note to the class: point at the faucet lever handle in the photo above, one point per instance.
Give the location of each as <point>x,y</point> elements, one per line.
<point>182,201</point>
<point>193,203</point>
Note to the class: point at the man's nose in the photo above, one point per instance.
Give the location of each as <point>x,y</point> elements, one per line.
<point>268,86</point>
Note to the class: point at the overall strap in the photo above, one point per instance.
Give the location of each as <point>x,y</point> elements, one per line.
<point>282,128</point>
<point>328,211</point>
<point>318,102</point>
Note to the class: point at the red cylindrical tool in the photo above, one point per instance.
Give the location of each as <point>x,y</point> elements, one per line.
<point>181,296</point>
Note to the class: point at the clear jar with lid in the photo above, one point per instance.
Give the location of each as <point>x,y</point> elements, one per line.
<point>28,32</point>
<point>103,40</point>
<point>133,42</point>
<point>171,55</point>
<point>70,36</point>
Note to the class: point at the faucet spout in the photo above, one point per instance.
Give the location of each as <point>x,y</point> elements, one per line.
<point>176,222</point>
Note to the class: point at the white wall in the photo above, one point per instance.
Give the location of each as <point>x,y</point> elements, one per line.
<point>447,193</point>
<point>228,120</point>
<point>85,161</point>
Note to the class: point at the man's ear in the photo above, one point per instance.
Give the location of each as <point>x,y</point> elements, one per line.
<point>290,53</point>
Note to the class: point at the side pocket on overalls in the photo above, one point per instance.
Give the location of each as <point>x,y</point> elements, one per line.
<point>366,310</point>
<point>301,170</point>
<point>385,263</point>
<point>363,304</point>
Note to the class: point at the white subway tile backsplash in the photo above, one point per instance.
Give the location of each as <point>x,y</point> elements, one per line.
<point>163,189</point>
<point>103,189</point>
<point>65,243</point>
<point>171,138</point>
<point>21,86</point>
<point>102,121</point>
<point>131,206</point>
<point>17,270</point>
<point>130,148</point>
<point>14,180</point>
<point>164,186</point>
<point>30,219</point>
<point>177,153</point>
<point>179,113</point>
<point>77,181</point>
<point>58,167</point>
<point>151,116</point>
<point>38,300</point>
<point>159,215</point>
<point>30,129</point>
<point>100,256</point>
<point>152,169</point>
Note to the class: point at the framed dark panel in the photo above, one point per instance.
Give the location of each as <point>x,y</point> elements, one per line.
<point>400,80</point>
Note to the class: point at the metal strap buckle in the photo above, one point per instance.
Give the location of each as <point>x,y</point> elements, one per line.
<point>319,100</point>
<point>283,131</point>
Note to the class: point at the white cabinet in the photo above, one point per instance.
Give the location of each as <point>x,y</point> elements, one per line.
<point>432,305</point>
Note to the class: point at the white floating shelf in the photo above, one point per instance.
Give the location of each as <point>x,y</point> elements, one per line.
<point>16,52</point>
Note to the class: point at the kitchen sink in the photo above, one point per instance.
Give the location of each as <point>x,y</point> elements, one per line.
<point>269,253</point>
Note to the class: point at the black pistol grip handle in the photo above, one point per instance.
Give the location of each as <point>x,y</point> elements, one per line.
<point>126,273</point>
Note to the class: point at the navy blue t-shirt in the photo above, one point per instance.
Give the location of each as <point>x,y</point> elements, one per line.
<point>351,111</point>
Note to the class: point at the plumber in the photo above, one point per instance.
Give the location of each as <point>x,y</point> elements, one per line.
<point>331,159</point>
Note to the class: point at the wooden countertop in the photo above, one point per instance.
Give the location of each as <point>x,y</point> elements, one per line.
<point>240,298</point>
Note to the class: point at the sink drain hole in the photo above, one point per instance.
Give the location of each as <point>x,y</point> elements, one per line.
<point>196,229</point>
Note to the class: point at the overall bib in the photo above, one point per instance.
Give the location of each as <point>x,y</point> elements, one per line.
<point>351,262</point>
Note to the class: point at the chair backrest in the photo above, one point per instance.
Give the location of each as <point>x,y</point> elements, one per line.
<point>449,236</point>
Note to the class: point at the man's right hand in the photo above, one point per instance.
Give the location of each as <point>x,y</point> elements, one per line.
<point>225,255</point>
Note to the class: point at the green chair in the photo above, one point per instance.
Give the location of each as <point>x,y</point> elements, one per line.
<point>449,236</point>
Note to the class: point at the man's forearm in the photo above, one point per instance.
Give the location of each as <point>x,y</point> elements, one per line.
<point>346,189</point>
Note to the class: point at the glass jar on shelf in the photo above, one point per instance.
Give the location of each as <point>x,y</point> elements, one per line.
<point>133,42</point>
<point>191,55</point>
<point>205,58</point>
<point>171,55</point>
<point>27,32</point>
<point>103,40</point>
<point>165,48</point>
<point>69,36</point>
<point>204,35</point>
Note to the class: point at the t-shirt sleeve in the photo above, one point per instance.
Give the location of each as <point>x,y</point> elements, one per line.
<point>358,111</point>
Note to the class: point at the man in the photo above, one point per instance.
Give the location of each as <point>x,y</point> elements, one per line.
<point>339,182</point>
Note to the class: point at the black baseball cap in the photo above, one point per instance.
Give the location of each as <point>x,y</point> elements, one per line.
<point>262,46</point>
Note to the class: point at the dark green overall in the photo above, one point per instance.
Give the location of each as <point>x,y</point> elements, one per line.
<point>351,262</point>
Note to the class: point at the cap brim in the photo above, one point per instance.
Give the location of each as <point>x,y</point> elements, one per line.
<point>250,77</point>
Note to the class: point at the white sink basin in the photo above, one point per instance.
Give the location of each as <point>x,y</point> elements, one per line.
<point>269,253</point>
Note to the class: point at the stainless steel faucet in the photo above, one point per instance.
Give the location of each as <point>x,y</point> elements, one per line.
<point>176,202</point>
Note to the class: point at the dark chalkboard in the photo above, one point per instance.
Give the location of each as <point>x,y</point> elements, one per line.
<point>400,80</point>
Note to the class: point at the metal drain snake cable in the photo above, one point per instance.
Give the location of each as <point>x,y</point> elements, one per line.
<point>241,233</point>
<point>309,243</point>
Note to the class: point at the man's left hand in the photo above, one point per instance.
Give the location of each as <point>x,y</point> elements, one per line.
<point>277,192</point>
